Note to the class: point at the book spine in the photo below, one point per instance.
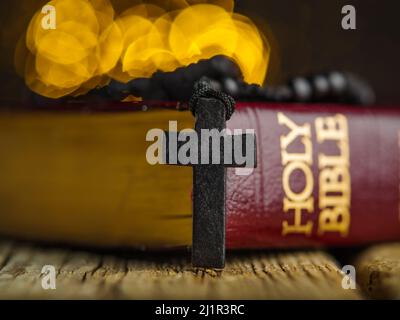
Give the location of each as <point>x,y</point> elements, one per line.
<point>326,175</point>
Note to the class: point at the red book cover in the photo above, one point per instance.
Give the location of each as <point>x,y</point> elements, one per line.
<point>326,175</point>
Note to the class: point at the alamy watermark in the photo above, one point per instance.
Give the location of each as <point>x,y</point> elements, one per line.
<point>49,20</point>
<point>349,18</point>
<point>349,277</point>
<point>48,275</point>
<point>213,146</point>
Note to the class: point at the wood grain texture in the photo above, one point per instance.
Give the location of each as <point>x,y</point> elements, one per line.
<point>378,271</point>
<point>88,275</point>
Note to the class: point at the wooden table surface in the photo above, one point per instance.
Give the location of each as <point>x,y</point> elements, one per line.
<point>256,275</point>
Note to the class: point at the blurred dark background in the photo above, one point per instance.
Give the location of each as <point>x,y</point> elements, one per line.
<point>305,36</point>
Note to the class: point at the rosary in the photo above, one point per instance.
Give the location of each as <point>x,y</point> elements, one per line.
<point>225,76</point>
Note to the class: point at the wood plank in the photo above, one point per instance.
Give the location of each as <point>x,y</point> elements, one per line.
<point>378,271</point>
<point>86,275</point>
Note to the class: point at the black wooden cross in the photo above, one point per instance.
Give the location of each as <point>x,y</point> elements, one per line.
<point>209,180</point>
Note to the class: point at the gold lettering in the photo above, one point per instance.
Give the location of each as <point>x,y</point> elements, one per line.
<point>334,176</point>
<point>306,156</point>
<point>331,128</point>
<point>297,226</point>
<point>296,131</point>
<point>309,185</point>
<point>338,160</point>
<point>337,181</point>
<point>335,219</point>
<point>297,202</point>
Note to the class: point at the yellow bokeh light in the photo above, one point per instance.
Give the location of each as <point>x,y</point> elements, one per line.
<point>90,45</point>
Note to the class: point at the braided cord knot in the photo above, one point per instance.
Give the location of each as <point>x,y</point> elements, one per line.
<point>203,89</point>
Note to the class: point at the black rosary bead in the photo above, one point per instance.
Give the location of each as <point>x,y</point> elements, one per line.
<point>302,89</point>
<point>358,91</point>
<point>321,87</point>
<point>118,90</point>
<point>231,87</point>
<point>337,82</point>
<point>281,94</point>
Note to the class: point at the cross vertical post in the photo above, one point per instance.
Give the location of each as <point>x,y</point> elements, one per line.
<point>209,172</point>
<point>209,189</point>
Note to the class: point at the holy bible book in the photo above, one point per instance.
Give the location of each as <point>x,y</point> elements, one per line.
<point>326,175</point>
